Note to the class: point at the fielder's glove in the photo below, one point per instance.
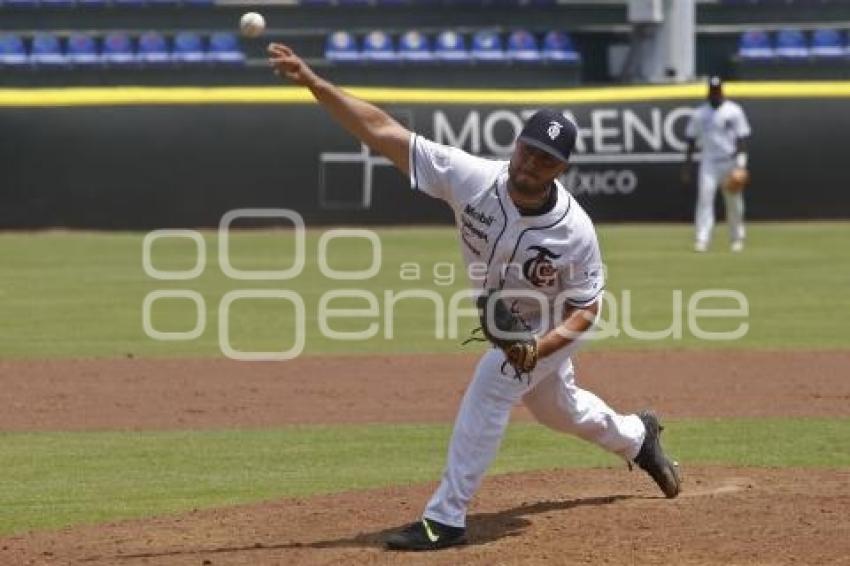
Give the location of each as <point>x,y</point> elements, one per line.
<point>736,180</point>
<point>497,318</point>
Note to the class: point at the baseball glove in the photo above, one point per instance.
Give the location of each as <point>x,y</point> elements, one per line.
<point>503,327</point>
<point>736,180</point>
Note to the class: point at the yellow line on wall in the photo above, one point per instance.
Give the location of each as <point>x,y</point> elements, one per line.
<point>124,95</point>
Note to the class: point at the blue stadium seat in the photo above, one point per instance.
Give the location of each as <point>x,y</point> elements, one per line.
<point>341,46</point>
<point>487,47</point>
<point>755,44</point>
<point>188,48</point>
<point>82,49</point>
<point>828,43</point>
<point>12,50</point>
<point>415,46</point>
<point>128,2</point>
<point>164,2</point>
<point>199,2</point>
<point>451,47</point>
<point>378,46</point>
<point>21,3</point>
<point>558,48</point>
<point>47,50</point>
<point>92,3</point>
<point>224,48</point>
<point>153,49</point>
<point>791,44</point>
<point>117,49</point>
<point>522,46</point>
<point>58,3</point>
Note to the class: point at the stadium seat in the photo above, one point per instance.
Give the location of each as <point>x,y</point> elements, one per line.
<point>199,2</point>
<point>82,49</point>
<point>92,3</point>
<point>791,44</point>
<point>341,46</point>
<point>47,50</point>
<point>128,2</point>
<point>164,2</point>
<point>487,47</point>
<point>12,50</point>
<point>558,48</point>
<point>224,48</point>
<point>58,3</point>
<point>451,47</point>
<point>153,49</point>
<point>117,49</point>
<point>828,43</point>
<point>21,3</point>
<point>379,47</point>
<point>522,46</point>
<point>755,44</point>
<point>415,46</point>
<point>188,48</point>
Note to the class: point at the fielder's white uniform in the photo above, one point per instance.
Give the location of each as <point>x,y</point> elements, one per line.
<point>717,131</point>
<point>555,252</point>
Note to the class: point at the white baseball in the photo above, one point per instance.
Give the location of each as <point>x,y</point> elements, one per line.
<point>252,24</point>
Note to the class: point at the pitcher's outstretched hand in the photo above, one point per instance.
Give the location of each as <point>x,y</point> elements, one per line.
<point>287,63</point>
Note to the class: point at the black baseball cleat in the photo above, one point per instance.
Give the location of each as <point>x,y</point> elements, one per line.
<point>652,459</point>
<point>427,534</point>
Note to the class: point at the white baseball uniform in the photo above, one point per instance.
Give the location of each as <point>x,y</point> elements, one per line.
<point>717,131</point>
<point>550,256</point>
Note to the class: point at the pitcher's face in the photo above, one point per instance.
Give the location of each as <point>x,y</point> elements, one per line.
<point>532,170</point>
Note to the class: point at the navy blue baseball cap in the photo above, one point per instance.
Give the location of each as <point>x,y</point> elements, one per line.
<point>549,131</point>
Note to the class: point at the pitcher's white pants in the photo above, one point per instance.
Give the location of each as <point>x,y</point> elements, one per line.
<point>711,173</point>
<point>554,400</point>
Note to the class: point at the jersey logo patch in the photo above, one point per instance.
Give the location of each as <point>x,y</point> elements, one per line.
<point>554,130</point>
<point>539,269</point>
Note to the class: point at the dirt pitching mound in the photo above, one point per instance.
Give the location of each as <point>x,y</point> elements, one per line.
<point>610,516</point>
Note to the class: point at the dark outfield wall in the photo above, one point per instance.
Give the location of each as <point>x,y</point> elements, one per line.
<point>140,167</point>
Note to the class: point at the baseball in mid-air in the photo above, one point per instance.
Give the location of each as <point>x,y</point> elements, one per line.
<point>252,24</point>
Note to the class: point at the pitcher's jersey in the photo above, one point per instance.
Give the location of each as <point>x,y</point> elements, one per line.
<point>718,129</point>
<point>553,256</point>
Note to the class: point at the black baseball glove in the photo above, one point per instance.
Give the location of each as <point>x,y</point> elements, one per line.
<point>497,318</point>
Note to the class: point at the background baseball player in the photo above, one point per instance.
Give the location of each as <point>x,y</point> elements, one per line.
<point>531,242</point>
<point>721,128</point>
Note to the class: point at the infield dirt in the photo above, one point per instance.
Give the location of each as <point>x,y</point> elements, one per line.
<point>725,515</point>
<point>207,393</point>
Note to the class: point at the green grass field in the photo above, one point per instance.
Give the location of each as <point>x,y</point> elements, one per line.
<point>51,480</point>
<point>81,294</point>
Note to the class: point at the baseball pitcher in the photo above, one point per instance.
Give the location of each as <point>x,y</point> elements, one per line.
<point>721,128</point>
<point>537,270</point>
